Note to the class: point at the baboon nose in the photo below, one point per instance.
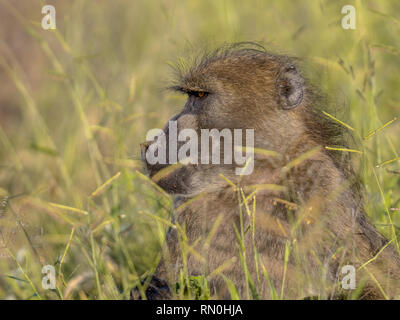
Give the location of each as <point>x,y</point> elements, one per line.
<point>143,148</point>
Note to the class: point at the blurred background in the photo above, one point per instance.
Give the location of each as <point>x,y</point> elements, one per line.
<point>76,102</point>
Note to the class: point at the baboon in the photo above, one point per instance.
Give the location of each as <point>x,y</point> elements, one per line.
<point>289,227</point>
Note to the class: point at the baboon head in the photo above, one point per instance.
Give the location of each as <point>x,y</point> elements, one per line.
<point>238,87</point>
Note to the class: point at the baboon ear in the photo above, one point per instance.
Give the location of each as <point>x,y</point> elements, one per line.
<point>290,87</point>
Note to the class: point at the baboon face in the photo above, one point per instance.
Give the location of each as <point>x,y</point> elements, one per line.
<point>234,89</point>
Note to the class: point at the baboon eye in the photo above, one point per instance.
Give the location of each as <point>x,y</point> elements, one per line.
<point>198,94</point>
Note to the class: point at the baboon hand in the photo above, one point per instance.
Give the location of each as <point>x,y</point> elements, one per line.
<point>157,290</point>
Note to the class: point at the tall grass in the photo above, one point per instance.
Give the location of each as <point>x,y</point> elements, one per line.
<point>80,99</point>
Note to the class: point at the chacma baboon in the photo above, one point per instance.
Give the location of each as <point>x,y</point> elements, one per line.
<point>298,218</point>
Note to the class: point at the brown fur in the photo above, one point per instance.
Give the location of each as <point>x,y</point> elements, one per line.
<point>319,213</point>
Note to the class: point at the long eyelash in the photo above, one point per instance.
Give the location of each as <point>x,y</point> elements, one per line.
<point>189,92</point>
<point>179,89</point>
